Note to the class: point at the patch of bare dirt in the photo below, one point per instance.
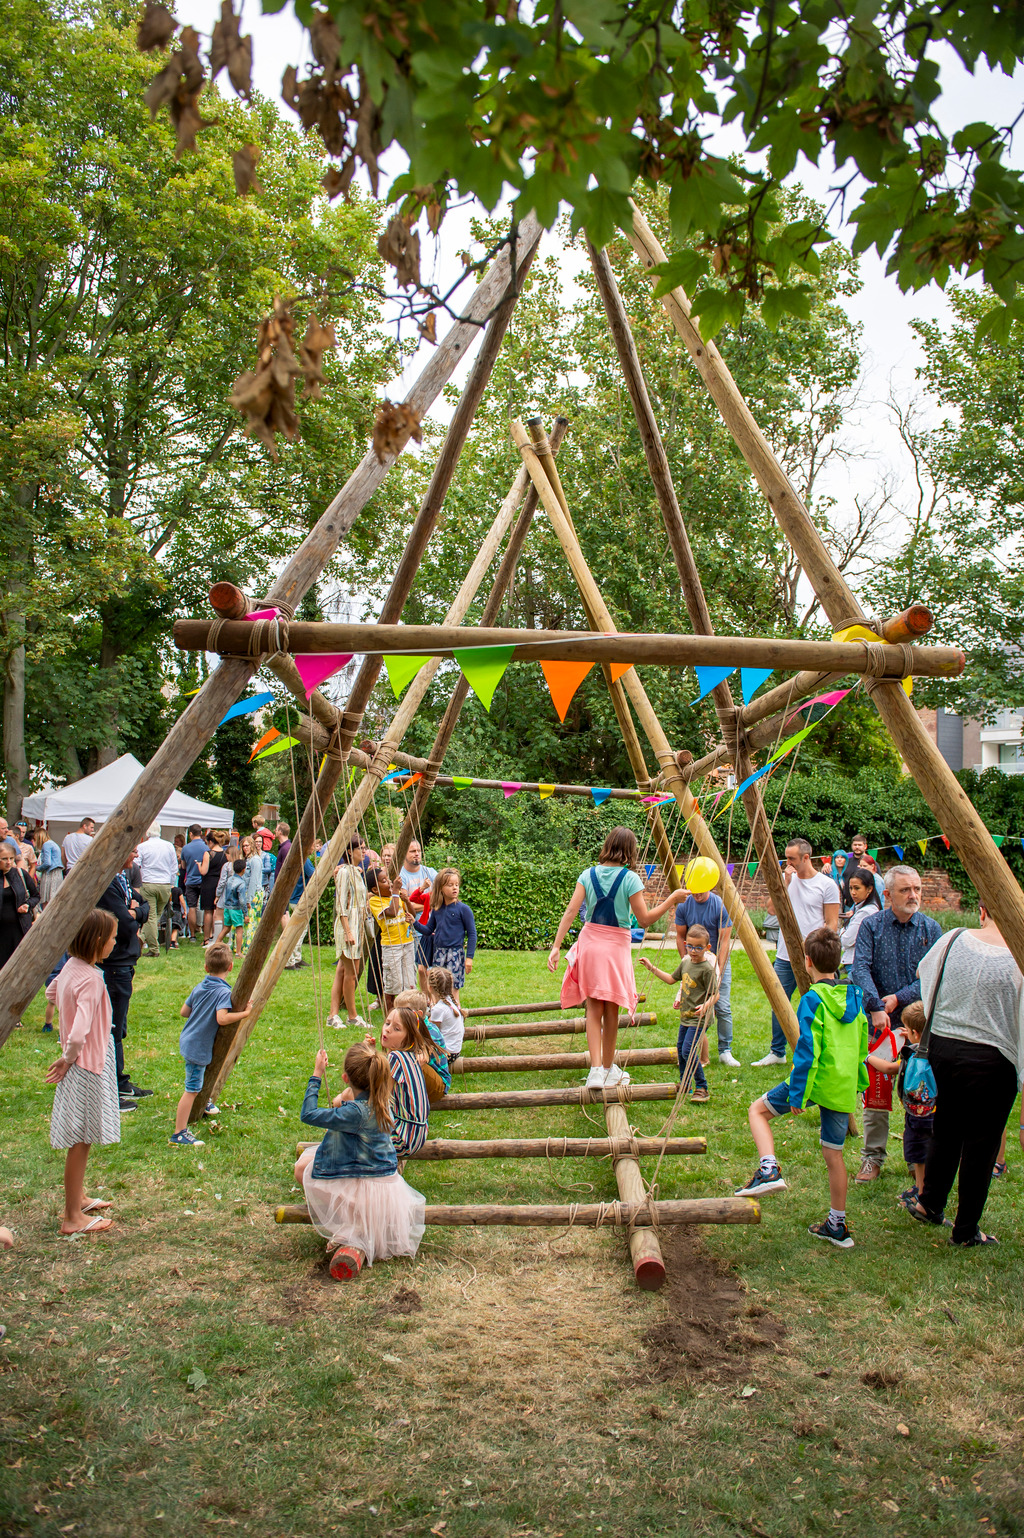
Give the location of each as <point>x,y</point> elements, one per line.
<point>712,1330</point>
<point>405,1301</point>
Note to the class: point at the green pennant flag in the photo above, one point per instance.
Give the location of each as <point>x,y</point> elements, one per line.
<point>277,747</point>
<point>873,853</point>
<point>790,742</point>
<point>461,782</point>
<point>402,671</point>
<point>751,867</point>
<point>997,839</point>
<point>483,668</point>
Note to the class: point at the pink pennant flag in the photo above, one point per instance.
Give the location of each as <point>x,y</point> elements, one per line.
<point>656,800</point>
<point>510,787</point>
<point>826,699</point>
<point>314,667</point>
<point>263,614</point>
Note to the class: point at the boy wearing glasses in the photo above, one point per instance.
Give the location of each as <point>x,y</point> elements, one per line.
<point>697,976</point>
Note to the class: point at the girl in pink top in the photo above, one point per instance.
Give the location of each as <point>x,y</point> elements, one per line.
<point>85,1105</point>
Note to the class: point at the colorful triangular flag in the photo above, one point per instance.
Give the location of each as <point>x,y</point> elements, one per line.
<point>790,743</point>
<point>749,781</point>
<point>922,844</point>
<point>599,794</point>
<point>546,791</point>
<point>279,747</point>
<point>899,851</point>
<point>563,679</point>
<point>751,680</point>
<point>751,867</point>
<point>314,667</point>
<point>650,869</point>
<point>483,668</point>
<point>461,782</point>
<point>264,740</point>
<point>710,678</point>
<point>874,855</point>
<point>997,839</point>
<point>945,840</point>
<point>254,702</point>
<point>510,787</point>
<point>263,614</point>
<point>401,671</point>
<point>729,869</point>
<point>617,669</point>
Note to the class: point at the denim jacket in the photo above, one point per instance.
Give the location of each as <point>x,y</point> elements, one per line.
<point>353,1144</point>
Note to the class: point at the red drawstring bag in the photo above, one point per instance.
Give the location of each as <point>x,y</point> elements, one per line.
<point>878,1095</point>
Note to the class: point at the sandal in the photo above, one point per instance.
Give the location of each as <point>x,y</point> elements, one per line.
<point>919,1215</point>
<point>95,1204</point>
<point>346,1263</point>
<point>976,1238</point>
<point>94,1226</point>
<point>998,1170</point>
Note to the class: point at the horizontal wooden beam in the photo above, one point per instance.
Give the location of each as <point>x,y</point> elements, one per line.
<point>574,1027</point>
<point>545,1062</point>
<point>708,1209</point>
<point>511,1099</point>
<point>551,1147</point>
<point>529,1009</point>
<point>234,638</point>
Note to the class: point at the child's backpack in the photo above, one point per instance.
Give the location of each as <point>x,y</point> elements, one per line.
<point>919,1088</point>
<point>878,1095</point>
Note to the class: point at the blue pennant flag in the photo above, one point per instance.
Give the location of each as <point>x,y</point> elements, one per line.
<point>751,680</point>
<point>650,869</point>
<point>600,796</point>
<point>710,678</point>
<point>748,782</point>
<point>899,851</point>
<point>254,702</point>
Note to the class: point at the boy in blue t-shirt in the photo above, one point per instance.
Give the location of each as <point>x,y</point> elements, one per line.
<point>207,1007</point>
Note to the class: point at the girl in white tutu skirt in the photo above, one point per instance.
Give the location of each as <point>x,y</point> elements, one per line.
<point>356,1198</point>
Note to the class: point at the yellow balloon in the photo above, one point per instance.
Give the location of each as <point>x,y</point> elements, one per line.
<point>701,875</point>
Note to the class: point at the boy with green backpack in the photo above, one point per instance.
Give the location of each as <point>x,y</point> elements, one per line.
<point>828,1071</point>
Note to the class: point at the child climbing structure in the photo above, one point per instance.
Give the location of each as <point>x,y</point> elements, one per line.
<point>882,653</point>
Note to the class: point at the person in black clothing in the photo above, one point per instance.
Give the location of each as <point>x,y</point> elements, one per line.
<point>858,849</point>
<point>208,894</point>
<point>18,896</point>
<point>118,969</point>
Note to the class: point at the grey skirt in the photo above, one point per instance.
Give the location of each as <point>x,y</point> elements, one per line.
<point>86,1107</point>
<point>50,883</point>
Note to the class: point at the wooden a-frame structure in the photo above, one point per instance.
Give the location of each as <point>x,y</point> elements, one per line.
<point>244,647</point>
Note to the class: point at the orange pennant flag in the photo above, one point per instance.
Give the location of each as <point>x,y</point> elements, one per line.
<point>267,737</point>
<point>618,668</point>
<point>564,678</point>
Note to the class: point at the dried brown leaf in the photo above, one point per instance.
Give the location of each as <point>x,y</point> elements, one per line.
<point>244,163</point>
<point>338,181</point>
<point>434,216</point>
<point>368,142</point>
<point>187,56</point>
<point>156,27</point>
<point>163,88</point>
<point>289,89</point>
<point>395,424</point>
<point>188,121</point>
<point>317,340</point>
<point>400,247</point>
<point>427,327</point>
<point>325,42</point>
<point>228,49</point>
<point>266,396</point>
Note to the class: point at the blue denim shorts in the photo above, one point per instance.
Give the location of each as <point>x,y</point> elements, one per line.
<point>835,1125</point>
<point>195,1073</point>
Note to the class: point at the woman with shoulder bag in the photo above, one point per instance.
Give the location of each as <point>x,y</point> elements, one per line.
<point>971,989</point>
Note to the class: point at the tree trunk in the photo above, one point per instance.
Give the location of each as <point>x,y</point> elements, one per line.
<point>15,758</point>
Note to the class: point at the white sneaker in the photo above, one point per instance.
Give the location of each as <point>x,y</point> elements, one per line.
<point>596,1079</point>
<point>334,1022</point>
<point>360,1024</point>
<point>728,1061</point>
<point>770,1060</point>
<point>616,1075</point>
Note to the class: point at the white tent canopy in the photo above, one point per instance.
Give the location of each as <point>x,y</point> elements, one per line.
<point>99,795</point>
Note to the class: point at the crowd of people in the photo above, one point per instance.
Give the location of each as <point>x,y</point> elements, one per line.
<point>893,1003</point>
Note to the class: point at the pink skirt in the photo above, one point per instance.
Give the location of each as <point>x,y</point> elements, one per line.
<point>600,966</point>
<point>380,1214</point>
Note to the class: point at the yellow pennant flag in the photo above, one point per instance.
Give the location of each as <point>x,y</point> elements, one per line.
<point>546,791</point>
<point>862,633</point>
<point>922,844</point>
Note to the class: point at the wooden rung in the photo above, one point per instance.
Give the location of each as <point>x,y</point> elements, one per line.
<point>551,1147</point>
<point>708,1209</point>
<point>497,1099</point>
<point>525,1009</point>
<point>537,1062</point>
<point>573,1027</point>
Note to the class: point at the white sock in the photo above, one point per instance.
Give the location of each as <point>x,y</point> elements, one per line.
<point>837,1219</point>
<point>768,1163</point>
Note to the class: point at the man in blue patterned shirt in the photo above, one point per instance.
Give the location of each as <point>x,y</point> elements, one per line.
<point>889,946</point>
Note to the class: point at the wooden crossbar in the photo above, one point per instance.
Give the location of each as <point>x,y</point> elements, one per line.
<point>574,1027</point>
<point>537,1062</point>
<point>510,1099</point>
<point>709,1209</point>
<point>550,1147</point>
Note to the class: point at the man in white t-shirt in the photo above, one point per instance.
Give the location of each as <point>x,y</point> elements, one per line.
<point>815,899</point>
<point>158,864</point>
<point>415,877</point>
<point>75,844</point>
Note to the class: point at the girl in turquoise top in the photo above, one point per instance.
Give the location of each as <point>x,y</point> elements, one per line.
<point>599,972</point>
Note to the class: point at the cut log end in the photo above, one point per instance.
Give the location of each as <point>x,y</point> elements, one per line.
<point>649,1274</point>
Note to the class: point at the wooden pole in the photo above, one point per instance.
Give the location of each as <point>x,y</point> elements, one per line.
<point>42,947</point>
<point>710,1209</point>
<point>551,1147</point>
<point>412,821</point>
<point>236,1036</point>
<point>655,734</point>
<point>683,651</point>
<point>574,1027</point>
<point>644,1248</point>
<point>513,1099</point>
<point>312,820</point>
<point>524,1009</point>
<point>957,818</point>
<point>542,1062</point>
<point>693,590</point>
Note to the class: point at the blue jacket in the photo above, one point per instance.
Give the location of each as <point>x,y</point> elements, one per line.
<point>886,957</point>
<point>828,1059</point>
<point>300,885</point>
<point>450,925</point>
<point>353,1144</point>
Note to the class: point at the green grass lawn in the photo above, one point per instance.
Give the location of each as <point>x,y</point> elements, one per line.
<point>197,1370</point>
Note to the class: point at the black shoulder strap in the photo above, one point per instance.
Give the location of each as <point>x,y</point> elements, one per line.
<point>926,1034</point>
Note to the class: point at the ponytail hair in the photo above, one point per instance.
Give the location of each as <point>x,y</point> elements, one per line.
<point>442,985</point>
<point>437,890</point>
<point>367,1069</point>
